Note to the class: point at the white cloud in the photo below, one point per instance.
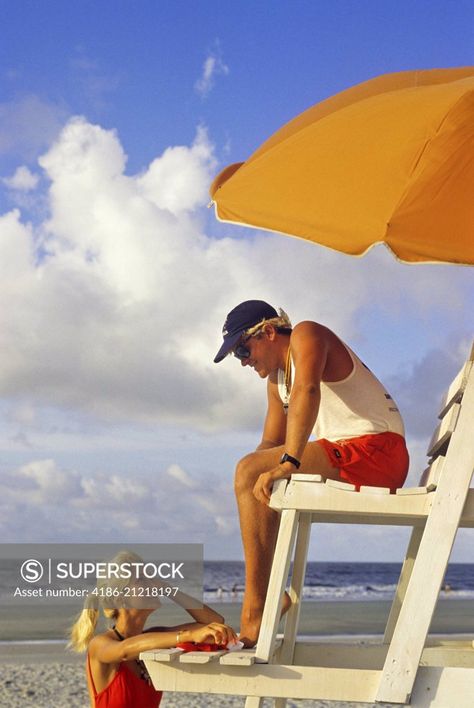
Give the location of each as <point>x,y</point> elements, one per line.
<point>121,314</point>
<point>113,304</point>
<point>22,180</point>
<point>177,180</point>
<point>41,482</point>
<point>212,67</point>
<point>112,307</point>
<point>45,502</point>
<point>177,472</point>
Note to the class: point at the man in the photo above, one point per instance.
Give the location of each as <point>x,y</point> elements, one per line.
<point>315,384</point>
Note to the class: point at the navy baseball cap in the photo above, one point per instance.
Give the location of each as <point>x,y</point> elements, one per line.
<point>239,320</point>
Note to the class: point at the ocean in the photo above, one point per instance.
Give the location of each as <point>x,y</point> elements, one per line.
<point>338,598</point>
<point>224,581</point>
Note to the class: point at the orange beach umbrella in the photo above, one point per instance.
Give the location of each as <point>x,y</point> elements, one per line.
<point>387,161</point>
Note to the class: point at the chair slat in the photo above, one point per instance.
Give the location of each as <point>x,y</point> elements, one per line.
<point>407,491</point>
<point>441,436</point>
<point>166,655</point>
<point>375,490</point>
<point>300,477</point>
<point>239,658</point>
<point>341,485</point>
<point>200,657</point>
<point>456,389</point>
<point>431,474</point>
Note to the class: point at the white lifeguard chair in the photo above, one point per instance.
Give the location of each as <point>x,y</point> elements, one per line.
<point>406,666</point>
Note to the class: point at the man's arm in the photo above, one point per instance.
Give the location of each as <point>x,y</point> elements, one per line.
<point>309,349</point>
<point>274,429</point>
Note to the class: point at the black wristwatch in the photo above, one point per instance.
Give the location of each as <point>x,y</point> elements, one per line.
<point>288,458</point>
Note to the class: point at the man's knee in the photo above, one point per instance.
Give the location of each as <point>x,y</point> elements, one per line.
<point>245,474</point>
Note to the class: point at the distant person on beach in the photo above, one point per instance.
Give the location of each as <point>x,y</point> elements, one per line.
<point>116,678</point>
<point>315,385</point>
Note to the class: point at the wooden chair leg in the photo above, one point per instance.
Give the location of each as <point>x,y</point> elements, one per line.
<point>271,614</point>
<point>296,588</point>
<point>409,636</point>
<point>276,586</point>
<point>405,575</point>
<point>286,652</point>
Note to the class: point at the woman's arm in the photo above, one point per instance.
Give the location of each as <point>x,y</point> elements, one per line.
<point>108,650</point>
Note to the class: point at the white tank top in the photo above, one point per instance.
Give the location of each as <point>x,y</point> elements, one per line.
<point>357,405</point>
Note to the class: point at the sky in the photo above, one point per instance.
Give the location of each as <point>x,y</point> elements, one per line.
<point>115,425</point>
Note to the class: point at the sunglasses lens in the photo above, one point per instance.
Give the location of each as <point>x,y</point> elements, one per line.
<point>241,352</point>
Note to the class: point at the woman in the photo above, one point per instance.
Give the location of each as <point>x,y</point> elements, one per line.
<point>116,678</point>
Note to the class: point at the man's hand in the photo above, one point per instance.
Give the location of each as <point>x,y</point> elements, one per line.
<point>264,484</point>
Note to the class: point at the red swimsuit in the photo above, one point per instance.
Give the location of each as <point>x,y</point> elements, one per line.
<point>126,690</point>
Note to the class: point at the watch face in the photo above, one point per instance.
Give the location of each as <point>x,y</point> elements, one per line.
<point>287,458</point>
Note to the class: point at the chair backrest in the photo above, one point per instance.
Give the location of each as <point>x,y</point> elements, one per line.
<point>451,407</point>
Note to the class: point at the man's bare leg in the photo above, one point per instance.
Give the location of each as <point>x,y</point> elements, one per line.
<point>259,527</point>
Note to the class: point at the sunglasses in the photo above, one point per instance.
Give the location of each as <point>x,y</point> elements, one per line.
<point>241,351</point>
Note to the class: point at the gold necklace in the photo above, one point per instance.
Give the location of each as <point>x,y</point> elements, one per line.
<point>288,372</point>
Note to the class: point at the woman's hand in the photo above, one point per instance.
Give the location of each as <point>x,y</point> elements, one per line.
<point>214,633</point>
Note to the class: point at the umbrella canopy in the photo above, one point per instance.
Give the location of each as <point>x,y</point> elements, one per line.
<point>388,161</point>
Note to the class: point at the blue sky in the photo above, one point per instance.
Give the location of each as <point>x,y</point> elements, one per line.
<point>114,117</point>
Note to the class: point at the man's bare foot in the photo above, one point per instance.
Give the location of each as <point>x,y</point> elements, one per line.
<point>250,625</point>
<point>249,633</point>
<point>286,604</point>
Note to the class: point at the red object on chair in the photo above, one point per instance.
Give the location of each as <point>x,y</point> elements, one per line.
<point>200,646</point>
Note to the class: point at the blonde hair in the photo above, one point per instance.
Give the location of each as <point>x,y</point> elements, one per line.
<point>83,628</point>
<point>282,321</point>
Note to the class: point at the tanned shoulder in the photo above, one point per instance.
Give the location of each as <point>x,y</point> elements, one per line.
<point>312,336</point>
<point>310,344</point>
<point>321,347</point>
<point>311,329</point>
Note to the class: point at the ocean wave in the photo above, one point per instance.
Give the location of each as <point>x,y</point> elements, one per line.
<point>224,581</point>
<point>325,592</point>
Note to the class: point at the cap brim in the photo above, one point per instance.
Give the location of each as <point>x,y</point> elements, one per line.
<point>227,346</point>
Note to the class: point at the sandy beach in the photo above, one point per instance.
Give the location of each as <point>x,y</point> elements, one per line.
<point>62,685</point>
<point>40,673</point>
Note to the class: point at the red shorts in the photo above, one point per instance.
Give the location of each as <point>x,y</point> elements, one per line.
<point>379,460</point>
